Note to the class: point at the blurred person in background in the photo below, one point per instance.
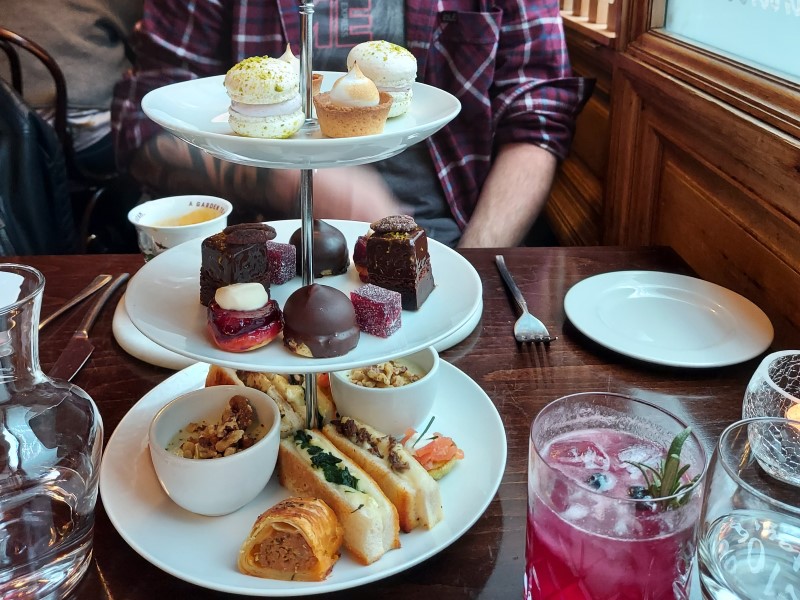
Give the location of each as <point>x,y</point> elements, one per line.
<point>87,39</point>
<point>481,181</point>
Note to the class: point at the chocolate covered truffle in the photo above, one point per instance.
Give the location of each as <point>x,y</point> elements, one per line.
<point>238,254</point>
<point>329,254</point>
<point>319,322</point>
<point>398,259</point>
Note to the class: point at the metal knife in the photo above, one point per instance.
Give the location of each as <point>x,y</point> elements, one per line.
<point>90,289</point>
<point>80,347</point>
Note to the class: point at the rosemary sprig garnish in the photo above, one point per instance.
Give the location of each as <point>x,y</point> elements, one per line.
<point>424,431</point>
<point>666,479</point>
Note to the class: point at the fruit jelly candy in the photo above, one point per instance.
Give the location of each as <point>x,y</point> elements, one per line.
<point>377,309</point>
<point>282,262</point>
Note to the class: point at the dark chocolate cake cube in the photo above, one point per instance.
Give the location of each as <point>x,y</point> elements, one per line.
<point>238,254</point>
<point>399,261</point>
<point>378,310</point>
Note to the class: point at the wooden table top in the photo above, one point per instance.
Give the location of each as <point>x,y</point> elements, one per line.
<point>488,561</point>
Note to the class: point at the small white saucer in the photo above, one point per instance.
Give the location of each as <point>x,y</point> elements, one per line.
<point>138,345</point>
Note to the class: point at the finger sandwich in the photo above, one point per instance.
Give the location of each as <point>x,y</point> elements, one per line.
<point>310,465</point>
<point>405,482</point>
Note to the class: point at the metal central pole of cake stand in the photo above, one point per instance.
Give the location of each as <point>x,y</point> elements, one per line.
<point>307,191</point>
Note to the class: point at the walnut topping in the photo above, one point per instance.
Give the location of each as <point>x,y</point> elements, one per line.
<point>228,436</point>
<point>400,223</point>
<point>383,375</point>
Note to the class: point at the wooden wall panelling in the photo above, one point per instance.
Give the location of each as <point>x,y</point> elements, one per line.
<point>705,229</point>
<point>575,208</point>
<point>742,227</point>
<point>574,211</point>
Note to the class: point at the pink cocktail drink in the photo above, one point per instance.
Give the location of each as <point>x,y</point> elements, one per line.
<point>595,530</point>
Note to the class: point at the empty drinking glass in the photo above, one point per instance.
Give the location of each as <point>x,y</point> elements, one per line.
<point>750,541</point>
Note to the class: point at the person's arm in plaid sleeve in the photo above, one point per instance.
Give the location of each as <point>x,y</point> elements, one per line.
<point>535,102</point>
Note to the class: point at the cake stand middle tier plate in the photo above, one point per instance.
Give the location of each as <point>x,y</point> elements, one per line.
<point>197,111</point>
<point>163,302</point>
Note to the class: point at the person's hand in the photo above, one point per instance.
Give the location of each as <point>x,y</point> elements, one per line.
<point>354,193</point>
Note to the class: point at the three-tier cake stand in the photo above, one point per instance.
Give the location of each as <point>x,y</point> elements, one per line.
<point>307,151</point>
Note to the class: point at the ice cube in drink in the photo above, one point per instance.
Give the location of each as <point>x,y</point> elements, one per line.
<point>587,538</point>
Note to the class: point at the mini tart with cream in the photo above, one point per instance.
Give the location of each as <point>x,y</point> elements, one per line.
<point>316,78</point>
<point>265,98</point>
<point>242,317</point>
<point>353,107</point>
<point>392,68</point>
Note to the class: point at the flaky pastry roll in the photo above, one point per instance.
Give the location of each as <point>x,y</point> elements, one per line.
<point>298,539</point>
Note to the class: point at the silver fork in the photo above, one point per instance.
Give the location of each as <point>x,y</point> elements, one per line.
<point>527,328</point>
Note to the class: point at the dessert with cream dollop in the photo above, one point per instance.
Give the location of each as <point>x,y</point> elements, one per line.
<point>242,317</point>
<point>353,107</point>
<point>391,67</point>
<point>265,98</point>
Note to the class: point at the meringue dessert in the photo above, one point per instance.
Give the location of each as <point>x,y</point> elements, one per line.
<point>391,67</point>
<point>265,98</point>
<point>353,107</point>
<point>289,57</point>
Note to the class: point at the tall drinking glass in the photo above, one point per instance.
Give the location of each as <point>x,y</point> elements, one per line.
<point>597,529</point>
<point>750,541</point>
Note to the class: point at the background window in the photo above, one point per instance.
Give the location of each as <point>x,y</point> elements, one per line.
<point>763,32</point>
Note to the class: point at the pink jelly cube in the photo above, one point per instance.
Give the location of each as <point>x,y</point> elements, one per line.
<point>377,309</point>
<point>282,262</point>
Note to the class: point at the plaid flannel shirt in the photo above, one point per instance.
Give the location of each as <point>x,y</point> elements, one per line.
<point>505,60</point>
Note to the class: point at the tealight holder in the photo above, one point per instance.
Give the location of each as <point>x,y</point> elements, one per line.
<point>774,391</point>
<point>774,388</point>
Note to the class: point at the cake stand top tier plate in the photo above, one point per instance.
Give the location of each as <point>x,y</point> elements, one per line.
<point>163,301</point>
<point>197,112</point>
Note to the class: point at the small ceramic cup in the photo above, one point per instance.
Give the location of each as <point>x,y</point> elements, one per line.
<point>167,222</point>
<point>214,486</point>
<point>390,410</point>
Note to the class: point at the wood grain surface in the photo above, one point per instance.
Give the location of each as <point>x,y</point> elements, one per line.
<point>488,561</point>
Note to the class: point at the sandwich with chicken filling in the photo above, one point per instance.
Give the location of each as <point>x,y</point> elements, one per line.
<point>414,493</point>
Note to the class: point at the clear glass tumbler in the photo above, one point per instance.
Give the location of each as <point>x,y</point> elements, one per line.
<point>750,540</point>
<point>51,439</point>
<point>599,527</point>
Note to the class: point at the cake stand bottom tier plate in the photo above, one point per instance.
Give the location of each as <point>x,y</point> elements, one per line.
<point>177,541</point>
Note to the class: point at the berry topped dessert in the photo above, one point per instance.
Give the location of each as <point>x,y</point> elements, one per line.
<point>398,259</point>
<point>238,254</point>
<point>329,256</point>
<point>320,322</point>
<point>242,317</point>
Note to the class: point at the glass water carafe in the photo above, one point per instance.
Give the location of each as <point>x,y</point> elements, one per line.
<point>51,439</point>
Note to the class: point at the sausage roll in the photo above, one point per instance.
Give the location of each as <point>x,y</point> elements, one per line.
<point>297,539</point>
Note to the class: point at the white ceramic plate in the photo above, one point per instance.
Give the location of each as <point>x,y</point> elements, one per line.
<point>136,344</point>
<point>203,550</point>
<point>668,319</point>
<point>197,112</point>
<point>163,302</point>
